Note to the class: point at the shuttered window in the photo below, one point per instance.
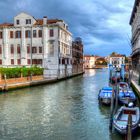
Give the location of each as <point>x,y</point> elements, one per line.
<point>1,35</point>
<point>11,34</point>
<point>18,49</point>
<point>18,34</point>
<point>12,61</point>
<point>40,49</point>
<point>0,49</point>
<point>18,62</point>
<point>12,49</point>
<point>28,34</point>
<point>28,61</point>
<point>51,33</point>
<point>39,33</point>
<point>28,49</point>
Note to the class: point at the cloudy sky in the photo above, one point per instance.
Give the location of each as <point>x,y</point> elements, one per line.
<point>102,24</point>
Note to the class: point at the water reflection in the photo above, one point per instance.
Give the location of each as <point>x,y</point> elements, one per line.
<point>67,110</point>
<point>90,72</point>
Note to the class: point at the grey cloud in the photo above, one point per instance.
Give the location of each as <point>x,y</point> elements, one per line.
<point>87,19</point>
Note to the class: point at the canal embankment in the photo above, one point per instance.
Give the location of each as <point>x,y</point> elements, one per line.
<point>135,83</point>
<point>17,83</point>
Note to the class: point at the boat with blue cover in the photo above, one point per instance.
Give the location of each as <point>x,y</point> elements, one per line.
<point>120,120</point>
<point>126,95</point>
<point>105,95</point>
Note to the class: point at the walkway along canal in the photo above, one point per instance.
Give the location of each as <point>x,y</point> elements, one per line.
<point>67,110</point>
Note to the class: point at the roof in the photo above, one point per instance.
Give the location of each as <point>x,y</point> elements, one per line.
<point>38,22</point>
<point>6,25</point>
<point>49,21</point>
<point>134,10</point>
<point>116,55</point>
<point>89,56</point>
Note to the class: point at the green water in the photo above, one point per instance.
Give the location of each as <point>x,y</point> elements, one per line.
<point>67,110</point>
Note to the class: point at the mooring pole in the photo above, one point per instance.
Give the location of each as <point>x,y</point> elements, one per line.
<point>111,110</point>
<point>129,125</point>
<point>116,98</point>
<point>129,78</point>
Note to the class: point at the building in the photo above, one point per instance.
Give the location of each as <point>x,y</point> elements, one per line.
<point>77,55</point>
<point>135,25</point>
<point>44,42</point>
<point>101,61</point>
<point>116,60</point>
<point>89,61</point>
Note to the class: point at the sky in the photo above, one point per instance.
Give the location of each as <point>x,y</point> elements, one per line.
<point>103,25</point>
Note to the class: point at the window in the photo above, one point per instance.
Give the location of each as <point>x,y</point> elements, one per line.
<point>39,33</point>
<point>59,60</point>
<point>51,33</point>
<point>34,33</point>
<point>28,61</point>
<point>40,49</point>
<point>12,49</point>
<point>0,62</point>
<point>34,50</point>
<point>51,48</point>
<point>12,61</point>
<point>27,33</point>
<point>18,49</point>
<point>34,61</point>
<point>17,22</point>
<point>18,34</point>
<point>0,49</point>
<point>28,21</point>
<point>68,61</point>
<point>28,49</point>
<point>40,61</point>
<point>1,35</point>
<point>11,34</point>
<point>63,61</point>
<point>18,62</point>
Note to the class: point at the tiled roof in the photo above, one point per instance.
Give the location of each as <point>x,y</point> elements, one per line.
<point>38,22</point>
<point>50,21</point>
<point>6,25</point>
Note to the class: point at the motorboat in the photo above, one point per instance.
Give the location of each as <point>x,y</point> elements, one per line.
<point>105,95</point>
<point>123,85</point>
<point>126,95</point>
<point>120,120</point>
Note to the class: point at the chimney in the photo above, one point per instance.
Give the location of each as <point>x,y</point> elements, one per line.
<point>44,20</point>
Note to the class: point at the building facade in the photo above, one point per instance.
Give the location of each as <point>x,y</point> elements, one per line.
<point>89,61</point>
<point>135,26</point>
<point>116,60</point>
<point>77,56</point>
<point>44,42</point>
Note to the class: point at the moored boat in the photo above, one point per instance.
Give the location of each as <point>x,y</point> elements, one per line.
<point>120,120</point>
<point>105,95</point>
<point>126,95</point>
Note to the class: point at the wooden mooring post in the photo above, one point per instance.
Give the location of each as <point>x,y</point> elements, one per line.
<point>129,125</point>
<point>116,98</point>
<point>112,110</point>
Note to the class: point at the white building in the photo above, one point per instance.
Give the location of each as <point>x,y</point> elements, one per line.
<point>116,60</point>
<point>89,61</point>
<point>29,41</point>
<point>135,24</point>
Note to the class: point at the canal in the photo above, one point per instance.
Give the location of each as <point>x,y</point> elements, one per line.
<point>67,110</point>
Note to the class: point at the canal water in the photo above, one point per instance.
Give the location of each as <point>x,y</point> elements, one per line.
<point>67,110</point>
